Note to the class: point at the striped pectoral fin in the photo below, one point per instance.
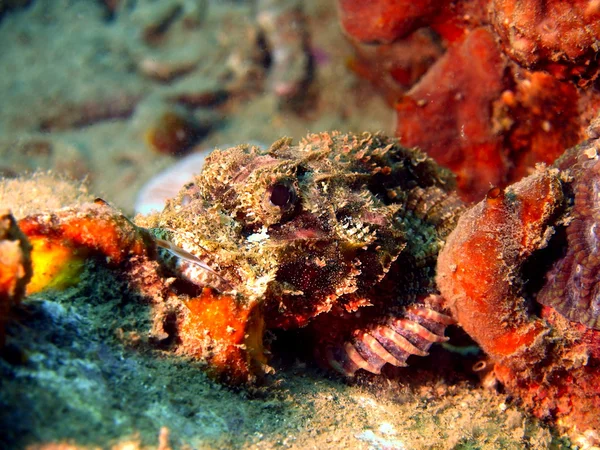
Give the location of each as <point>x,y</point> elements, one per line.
<point>392,342</point>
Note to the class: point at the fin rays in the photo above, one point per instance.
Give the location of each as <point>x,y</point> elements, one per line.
<point>392,342</point>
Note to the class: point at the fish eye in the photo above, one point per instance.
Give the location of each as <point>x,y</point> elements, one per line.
<point>282,195</point>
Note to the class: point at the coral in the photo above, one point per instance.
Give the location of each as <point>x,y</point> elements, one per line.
<point>558,36</point>
<point>94,226</point>
<point>534,242</point>
<point>393,68</point>
<point>454,125</point>
<point>55,264</point>
<point>565,386</point>
<point>63,241</point>
<point>573,285</point>
<point>339,228</point>
<point>15,266</point>
<point>384,21</point>
<point>492,95</point>
<point>504,230</point>
<point>68,239</point>
<point>225,333</point>
<point>538,119</point>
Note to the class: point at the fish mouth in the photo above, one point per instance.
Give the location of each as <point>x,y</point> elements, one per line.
<point>193,262</point>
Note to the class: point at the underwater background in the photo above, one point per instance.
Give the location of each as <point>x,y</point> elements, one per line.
<point>123,99</point>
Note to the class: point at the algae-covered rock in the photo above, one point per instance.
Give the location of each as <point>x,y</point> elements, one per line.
<point>40,191</point>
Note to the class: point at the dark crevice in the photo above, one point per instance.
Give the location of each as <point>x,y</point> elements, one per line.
<point>534,270</point>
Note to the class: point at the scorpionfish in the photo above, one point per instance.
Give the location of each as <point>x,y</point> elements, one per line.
<point>337,235</point>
